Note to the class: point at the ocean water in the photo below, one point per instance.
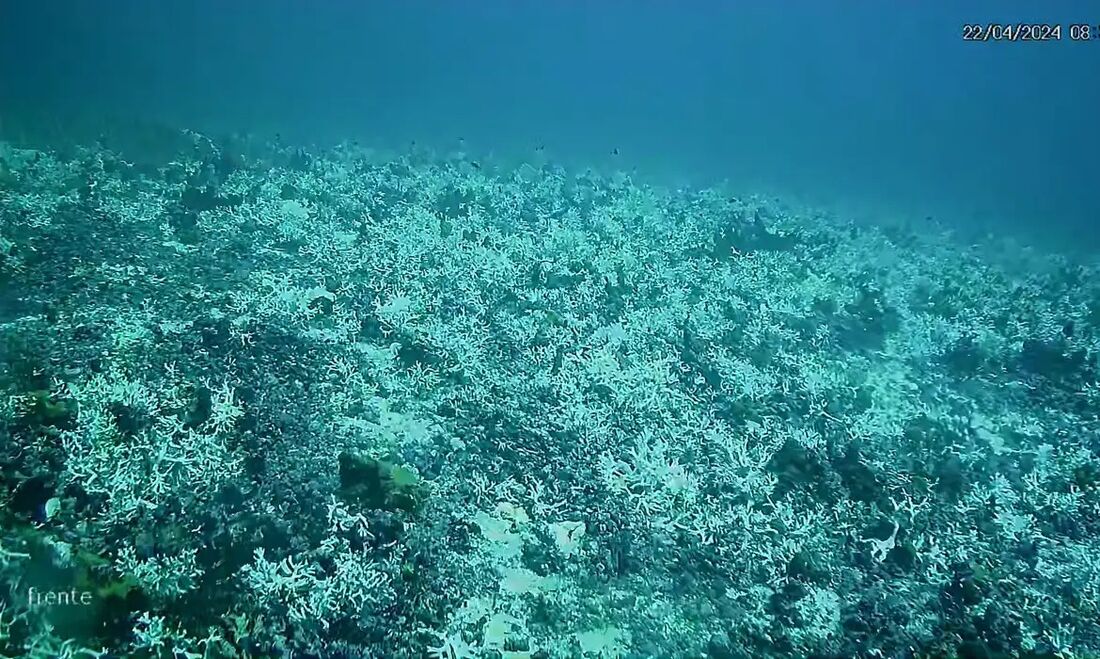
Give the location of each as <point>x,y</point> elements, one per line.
<point>540,330</point>
<point>876,109</point>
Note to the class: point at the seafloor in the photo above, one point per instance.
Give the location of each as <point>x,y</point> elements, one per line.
<point>264,401</point>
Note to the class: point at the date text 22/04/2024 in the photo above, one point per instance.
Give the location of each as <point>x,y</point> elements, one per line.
<point>1021,32</point>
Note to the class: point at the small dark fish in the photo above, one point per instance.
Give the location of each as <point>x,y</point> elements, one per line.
<point>476,164</point>
<point>615,151</point>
